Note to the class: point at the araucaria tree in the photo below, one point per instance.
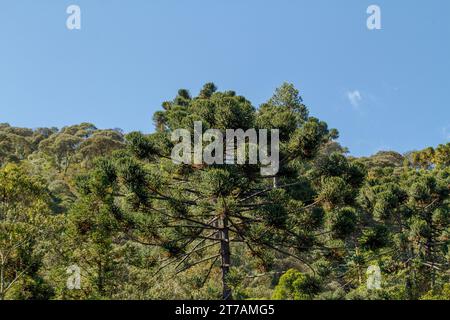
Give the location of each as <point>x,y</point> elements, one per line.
<point>199,213</point>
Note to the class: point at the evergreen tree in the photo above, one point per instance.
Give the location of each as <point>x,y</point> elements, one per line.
<point>198,213</point>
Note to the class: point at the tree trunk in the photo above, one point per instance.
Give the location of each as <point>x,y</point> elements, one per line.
<point>358,267</point>
<point>2,294</point>
<point>275,182</point>
<point>226,259</point>
<point>410,277</point>
<point>2,280</point>
<point>429,249</point>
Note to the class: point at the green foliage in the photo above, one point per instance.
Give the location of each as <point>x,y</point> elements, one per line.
<point>438,294</point>
<point>343,222</point>
<point>142,227</point>
<point>295,285</point>
<point>24,225</point>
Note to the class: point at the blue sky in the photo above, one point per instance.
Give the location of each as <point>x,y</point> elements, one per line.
<point>383,89</point>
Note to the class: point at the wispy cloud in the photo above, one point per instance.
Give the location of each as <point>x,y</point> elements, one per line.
<point>355,98</point>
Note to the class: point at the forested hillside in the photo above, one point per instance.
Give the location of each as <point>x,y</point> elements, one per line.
<point>139,226</point>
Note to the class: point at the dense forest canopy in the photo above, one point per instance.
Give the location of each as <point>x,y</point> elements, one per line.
<point>139,226</point>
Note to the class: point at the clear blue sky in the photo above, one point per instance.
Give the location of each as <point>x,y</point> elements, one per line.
<point>131,55</point>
